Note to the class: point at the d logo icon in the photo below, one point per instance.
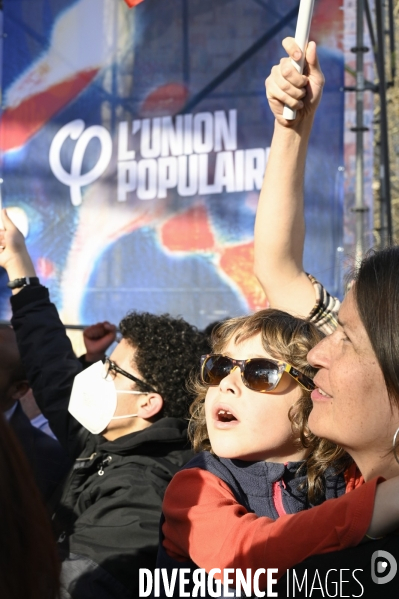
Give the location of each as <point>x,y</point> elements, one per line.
<point>75,179</point>
<point>383,567</point>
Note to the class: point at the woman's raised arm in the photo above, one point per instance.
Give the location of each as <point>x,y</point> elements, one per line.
<point>280,226</point>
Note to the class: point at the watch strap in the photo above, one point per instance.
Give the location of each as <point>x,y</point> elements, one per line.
<point>23,282</point>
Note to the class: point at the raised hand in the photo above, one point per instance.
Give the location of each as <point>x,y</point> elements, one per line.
<point>14,256</point>
<point>285,86</point>
<point>280,223</point>
<point>97,338</point>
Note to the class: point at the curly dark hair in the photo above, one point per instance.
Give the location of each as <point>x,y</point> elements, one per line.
<point>168,353</point>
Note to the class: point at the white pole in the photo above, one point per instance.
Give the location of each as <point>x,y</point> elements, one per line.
<point>301,37</point>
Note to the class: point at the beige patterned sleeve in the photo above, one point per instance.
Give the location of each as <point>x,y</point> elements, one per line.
<point>324,314</point>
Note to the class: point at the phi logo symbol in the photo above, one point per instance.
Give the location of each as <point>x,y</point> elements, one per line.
<point>383,567</point>
<point>75,179</point>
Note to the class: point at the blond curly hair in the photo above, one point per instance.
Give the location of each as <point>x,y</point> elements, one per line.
<point>288,339</point>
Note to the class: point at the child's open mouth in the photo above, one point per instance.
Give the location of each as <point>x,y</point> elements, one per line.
<point>225,416</point>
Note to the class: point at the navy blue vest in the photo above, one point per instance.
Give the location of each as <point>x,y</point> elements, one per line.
<point>252,485</point>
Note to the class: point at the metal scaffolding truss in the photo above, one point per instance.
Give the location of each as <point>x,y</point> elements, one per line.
<point>380,24</point>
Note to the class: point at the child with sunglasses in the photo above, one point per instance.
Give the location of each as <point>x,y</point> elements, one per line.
<point>241,502</point>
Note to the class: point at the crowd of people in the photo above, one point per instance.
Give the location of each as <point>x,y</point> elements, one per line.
<point>271,445</point>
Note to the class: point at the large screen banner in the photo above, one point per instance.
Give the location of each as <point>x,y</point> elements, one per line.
<point>134,143</point>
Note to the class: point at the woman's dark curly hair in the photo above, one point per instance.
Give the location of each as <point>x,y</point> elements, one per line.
<point>289,339</point>
<point>168,353</point>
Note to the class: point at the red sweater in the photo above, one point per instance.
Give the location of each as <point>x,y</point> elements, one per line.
<point>205,523</point>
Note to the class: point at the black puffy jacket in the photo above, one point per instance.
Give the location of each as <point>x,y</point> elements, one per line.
<point>106,513</point>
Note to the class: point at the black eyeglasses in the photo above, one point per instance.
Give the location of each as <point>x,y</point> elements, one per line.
<point>258,374</point>
<point>110,368</point>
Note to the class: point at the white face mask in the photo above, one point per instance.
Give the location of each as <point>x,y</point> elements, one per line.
<point>94,399</point>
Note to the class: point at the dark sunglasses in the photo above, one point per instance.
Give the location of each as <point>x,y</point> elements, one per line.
<point>259,374</point>
<point>110,368</point>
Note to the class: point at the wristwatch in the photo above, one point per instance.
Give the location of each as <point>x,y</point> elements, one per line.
<point>23,282</point>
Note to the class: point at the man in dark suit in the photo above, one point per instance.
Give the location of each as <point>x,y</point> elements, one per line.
<point>48,460</point>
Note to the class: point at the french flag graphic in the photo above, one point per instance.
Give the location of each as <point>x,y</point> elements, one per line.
<point>64,70</point>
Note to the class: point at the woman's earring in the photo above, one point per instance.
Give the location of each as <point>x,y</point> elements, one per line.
<point>394,445</point>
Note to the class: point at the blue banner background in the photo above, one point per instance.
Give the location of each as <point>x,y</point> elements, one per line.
<point>184,255</point>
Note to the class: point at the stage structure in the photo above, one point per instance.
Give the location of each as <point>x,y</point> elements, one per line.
<point>378,17</point>
<point>384,26</point>
<point>134,143</point>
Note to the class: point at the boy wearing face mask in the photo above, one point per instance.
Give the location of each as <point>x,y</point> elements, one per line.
<point>124,429</point>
